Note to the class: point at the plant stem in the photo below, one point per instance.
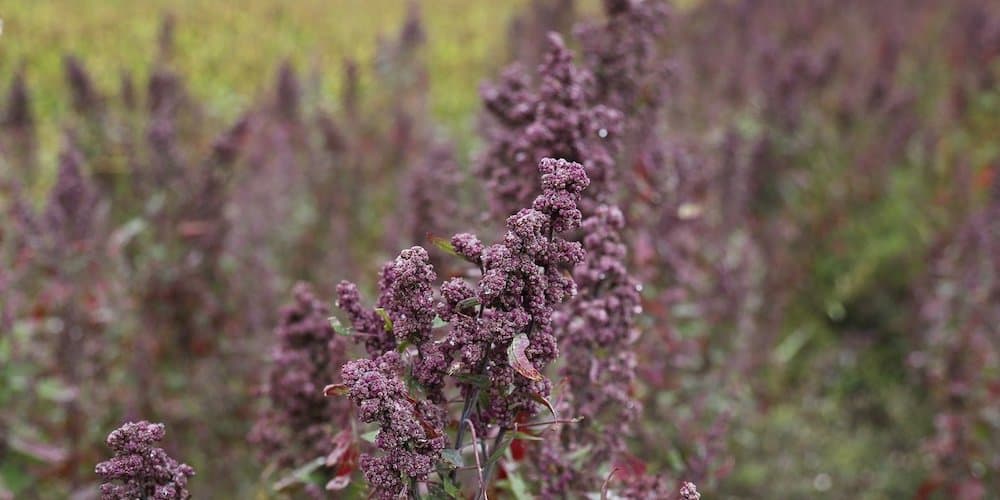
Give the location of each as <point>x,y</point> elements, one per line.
<point>488,475</point>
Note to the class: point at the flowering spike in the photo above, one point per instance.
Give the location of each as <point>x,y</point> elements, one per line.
<point>140,469</point>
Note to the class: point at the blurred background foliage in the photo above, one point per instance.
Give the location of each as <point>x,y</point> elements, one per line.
<point>874,181</point>
<point>228,51</point>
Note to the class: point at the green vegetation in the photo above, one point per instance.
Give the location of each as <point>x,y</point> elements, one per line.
<point>229,51</point>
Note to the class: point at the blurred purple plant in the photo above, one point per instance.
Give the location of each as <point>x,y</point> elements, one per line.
<point>555,120</point>
<point>299,423</point>
<point>597,329</point>
<point>959,355</point>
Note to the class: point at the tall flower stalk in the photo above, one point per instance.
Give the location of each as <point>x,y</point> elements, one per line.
<point>498,339</point>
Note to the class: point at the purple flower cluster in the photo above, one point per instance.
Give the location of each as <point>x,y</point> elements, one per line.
<point>623,53</point>
<point>18,141</point>
<point>500,336</point>
<point>299,422</point>
<point>410,432</point>
<point>431,208</point>
<point>597,330</point>
<point>72,205</point>
<point>523,280</point>
<point>368,326</point>
<point>140,469</point>
<point>554,121</point>
<point>959,353</point>
<point>409,302</point>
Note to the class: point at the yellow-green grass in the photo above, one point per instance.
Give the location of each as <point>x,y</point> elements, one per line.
<point>229,49</point>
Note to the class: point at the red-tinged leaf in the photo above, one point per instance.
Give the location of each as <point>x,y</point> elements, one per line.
<point>341,445</point>
<point>519,360</point>
<point>538,398</point>
<point>518,450</point>
<point>338,483</point>
<point>630,466</point>
<point>194,228</point>
<point>335,390</point>
<point>431,430</point>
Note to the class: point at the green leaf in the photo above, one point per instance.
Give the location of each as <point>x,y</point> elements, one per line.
<point>500,449</point>
<point>518,488</point>
<point>299,475</point>
<point>791,346</point>
<point>450,488</point>
<point>480,381</point>
<point>452,458</point>
<point>576,456</point>
<point>444,244</point>
<point>401,348</point>
<point>339,327</point>
<point>468,303</point>
<point>438,322</point>
<point>386,320</point>
<point>527,437</point>
<point>55,390</point>
<point>370,436</point>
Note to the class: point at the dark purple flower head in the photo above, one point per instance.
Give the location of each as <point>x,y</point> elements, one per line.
<point>511,100</point>
<point>140,469</point>
<point>468,246</point>
<point>408,297</point>
<point>18,110</point>
<point>596,332</point>
<point>499,330</point>
<point>411,434</point>
<point>523,279</point>
<point>299,423</point>
<point>689,492</point>
<point>555,120</point>
<point>623,54</point>
<point>408,300</point>
<point>85,98</point>
<point>365,321</point>
<point>431,208</point>
<point>72,204</point>
<point>288,92</point>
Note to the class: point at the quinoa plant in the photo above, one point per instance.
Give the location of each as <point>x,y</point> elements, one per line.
<point>498,339</point>
<point>139,468</point>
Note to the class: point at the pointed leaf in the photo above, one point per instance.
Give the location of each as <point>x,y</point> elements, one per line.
<point>518,488</point>
<point>450,488</point>
<point>370,436</point>
<point>452,458</point>
<point>338,483</point>
<point>468,303</point>
<point>386,320</point>
<point>339,327</point>
<point>543,400</point>
<point>444,244</point>
<point>341,445</point>
<point>519,361</point>
<point>335,390</point>
<point>499,451</point>
<point>527,437</point>
<point>299,475</point>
